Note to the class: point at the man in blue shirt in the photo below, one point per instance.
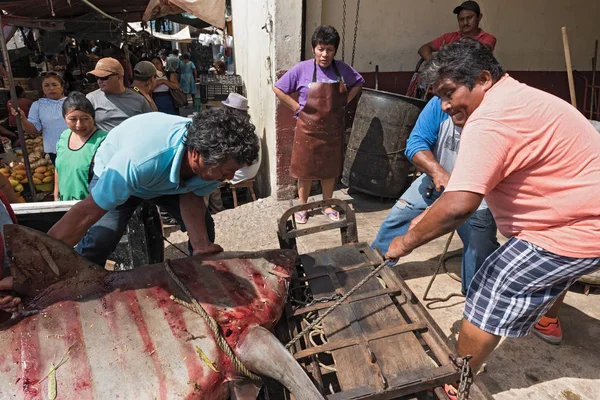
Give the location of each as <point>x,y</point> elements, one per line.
<point>171,161</point>
<point>433,147</point>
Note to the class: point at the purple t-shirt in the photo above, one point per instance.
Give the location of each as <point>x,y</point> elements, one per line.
<point>299,78</point>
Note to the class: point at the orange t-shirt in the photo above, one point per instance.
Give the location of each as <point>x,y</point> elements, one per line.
<point>537,161</point>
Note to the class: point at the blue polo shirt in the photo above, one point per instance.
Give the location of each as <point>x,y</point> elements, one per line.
<point>142,157</point>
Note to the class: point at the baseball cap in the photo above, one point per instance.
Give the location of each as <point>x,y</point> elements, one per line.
<point>107,66</point>
<point>468,5</point>
<point>144,70</point>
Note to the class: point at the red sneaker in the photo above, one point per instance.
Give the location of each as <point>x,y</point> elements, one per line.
<point>451,392</point>
<point>549,330</point>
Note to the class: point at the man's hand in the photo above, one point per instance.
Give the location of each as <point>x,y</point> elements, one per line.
<point>425,161</point>
<point>397,249</point>
<point>8,303</point>
<point>193,213</point>
<point>212,248</point>
<point>440,179</point>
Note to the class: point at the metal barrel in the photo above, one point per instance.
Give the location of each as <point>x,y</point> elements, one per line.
<point>375,162</point>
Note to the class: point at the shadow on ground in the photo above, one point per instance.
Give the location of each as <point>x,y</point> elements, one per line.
<point>528,361</point>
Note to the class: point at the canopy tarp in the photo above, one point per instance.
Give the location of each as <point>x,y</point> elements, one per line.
<point>52,11</point>
<point>211,11</point>
<point>64,9</point>
<point>182,36</point>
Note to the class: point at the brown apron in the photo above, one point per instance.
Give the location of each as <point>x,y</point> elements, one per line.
<point>319,137</point>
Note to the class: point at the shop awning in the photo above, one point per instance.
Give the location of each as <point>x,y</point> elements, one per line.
<point>60,11</point>
<point>211,11</point>
<point>182,36</point>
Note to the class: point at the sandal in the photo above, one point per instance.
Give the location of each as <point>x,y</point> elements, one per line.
<point>332,215</point>
<point>301,217</point>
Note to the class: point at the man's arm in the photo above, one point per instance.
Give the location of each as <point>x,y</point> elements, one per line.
<point>426,51</point>
<point>423,139</point>
<point>449,212</point>
<point>73,226</point>
<point>426,162</point>
<point>193,212</point>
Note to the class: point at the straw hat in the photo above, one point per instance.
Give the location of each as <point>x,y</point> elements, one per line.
<point>236,101</point>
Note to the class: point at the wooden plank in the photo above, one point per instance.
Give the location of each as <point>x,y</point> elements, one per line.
<point>330,346</point>
<point>326,273</point>
<point>352,364</point>
<point>413,382</point>
<point>353,298</point>
<point>434,337</point>
<point>358,377</point>
<point>370,315</point>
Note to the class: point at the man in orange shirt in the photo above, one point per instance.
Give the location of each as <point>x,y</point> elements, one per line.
<point>535,160</point>
<point>469,16</point>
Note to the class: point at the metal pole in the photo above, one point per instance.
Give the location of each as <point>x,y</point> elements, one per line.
<point>594,65</point>
<point>126,50</point>
<point>99,11</point>
<point>15,102</point>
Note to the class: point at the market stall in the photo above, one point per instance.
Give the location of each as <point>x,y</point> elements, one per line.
<point>28,169</point>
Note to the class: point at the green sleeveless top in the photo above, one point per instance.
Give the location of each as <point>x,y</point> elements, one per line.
<point>73,166</point>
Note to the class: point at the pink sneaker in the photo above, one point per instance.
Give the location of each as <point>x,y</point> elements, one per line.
<point>549,330</point>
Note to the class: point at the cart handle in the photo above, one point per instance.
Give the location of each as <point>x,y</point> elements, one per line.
<point>288,230</point>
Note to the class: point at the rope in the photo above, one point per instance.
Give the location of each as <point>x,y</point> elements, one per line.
<point>210,321</point>
<point>375,154</point>
<point>336,304</point>
<point>441,263</point>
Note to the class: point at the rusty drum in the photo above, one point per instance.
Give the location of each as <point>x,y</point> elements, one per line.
<point>375,162</point>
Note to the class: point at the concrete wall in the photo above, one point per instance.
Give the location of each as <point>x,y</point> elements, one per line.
<point>528,32</point>
<point>267,39</point>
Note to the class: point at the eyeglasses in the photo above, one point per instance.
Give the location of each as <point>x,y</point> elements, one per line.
<point>105,78</point>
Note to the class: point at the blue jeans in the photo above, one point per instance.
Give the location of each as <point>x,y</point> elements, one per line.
<point>102,238</point>
<point>478,233</point>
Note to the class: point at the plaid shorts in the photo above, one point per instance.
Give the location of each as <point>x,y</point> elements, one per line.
<point>517,284</point>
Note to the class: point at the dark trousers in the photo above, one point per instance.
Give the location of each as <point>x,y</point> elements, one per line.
<point>102,238</point>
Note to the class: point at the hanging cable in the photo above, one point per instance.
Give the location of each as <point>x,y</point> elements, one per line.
<point>355,31</point>
<point>343,30</point>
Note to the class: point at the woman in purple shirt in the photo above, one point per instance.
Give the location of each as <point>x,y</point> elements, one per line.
<point>324,87</point>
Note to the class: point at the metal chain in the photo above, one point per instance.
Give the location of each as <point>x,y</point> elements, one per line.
<point>355,31</point>
<point>337,304</point>
<point>324,299</point>
<point>466,377</point>
<point>343,30</point>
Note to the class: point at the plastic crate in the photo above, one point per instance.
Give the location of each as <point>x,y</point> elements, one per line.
<point>218,87</point>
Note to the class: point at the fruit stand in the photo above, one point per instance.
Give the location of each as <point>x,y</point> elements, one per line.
<point>42,169</point>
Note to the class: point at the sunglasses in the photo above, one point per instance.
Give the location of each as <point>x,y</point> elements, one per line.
<point>105,78</point>
<point>50,73</point>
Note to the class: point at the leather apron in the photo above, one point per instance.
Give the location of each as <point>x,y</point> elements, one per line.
<point>319,137</point>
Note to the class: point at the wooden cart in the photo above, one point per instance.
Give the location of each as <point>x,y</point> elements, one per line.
<point>381,343</point>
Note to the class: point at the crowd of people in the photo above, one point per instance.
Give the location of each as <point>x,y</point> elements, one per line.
<point>74,126</point>
<point>529,173</point>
